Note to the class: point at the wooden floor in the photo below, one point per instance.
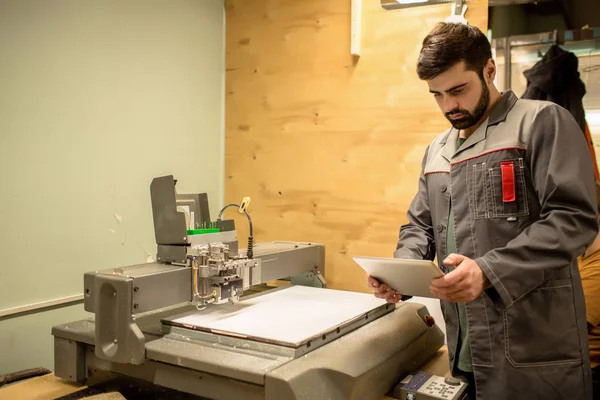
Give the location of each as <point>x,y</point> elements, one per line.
<point>40,388</point>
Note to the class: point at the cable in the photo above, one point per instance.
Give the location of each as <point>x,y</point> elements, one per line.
<point>249,252</point>
<point>21,375</point>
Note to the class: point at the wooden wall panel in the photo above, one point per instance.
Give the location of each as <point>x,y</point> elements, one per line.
<point>329,147</point>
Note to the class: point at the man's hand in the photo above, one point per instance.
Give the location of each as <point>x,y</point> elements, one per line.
<point>464,284</point>
<point>382,291</point>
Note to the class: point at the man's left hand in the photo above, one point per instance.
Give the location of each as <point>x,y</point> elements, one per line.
<point>462,285</point>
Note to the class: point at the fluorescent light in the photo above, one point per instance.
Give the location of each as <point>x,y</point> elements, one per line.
<point>411,1</point>
<point>355,27</point>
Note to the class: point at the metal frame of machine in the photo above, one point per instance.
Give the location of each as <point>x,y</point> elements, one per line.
<point>135,332</point>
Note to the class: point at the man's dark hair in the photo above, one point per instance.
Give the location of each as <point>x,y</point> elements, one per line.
<point>450,43</point>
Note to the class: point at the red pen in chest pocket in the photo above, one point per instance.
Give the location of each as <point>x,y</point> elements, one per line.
<point>508,181</point>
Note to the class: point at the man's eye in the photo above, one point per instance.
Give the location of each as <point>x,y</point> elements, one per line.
<point>436,95</point>
<point>457,91</point>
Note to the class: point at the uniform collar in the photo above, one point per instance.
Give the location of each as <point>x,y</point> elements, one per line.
<point>501,110</point>
<point>498,114</point>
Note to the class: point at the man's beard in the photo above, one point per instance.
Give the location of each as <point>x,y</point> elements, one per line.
<point>469,119</point>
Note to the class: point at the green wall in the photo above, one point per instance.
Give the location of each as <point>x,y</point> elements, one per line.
<point>97,97</point>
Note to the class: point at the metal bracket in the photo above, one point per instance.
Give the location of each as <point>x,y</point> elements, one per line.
<point>458,7</point>
<point>457,14</point>
<point>117,336</point>
<point>310,278</point>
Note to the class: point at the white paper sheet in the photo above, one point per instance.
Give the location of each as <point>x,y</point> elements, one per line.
<point>290,315</point>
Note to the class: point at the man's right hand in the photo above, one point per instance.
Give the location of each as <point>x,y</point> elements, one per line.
<point>382,291</point>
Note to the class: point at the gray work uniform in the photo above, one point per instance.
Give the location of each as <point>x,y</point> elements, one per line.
<point>524,205</point>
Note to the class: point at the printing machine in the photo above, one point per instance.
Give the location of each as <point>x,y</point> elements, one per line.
<point>203,319</point>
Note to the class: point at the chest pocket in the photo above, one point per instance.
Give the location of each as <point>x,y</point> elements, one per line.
<point>498,189</point>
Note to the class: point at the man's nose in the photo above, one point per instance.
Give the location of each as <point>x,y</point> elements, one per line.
<point>449,104</point>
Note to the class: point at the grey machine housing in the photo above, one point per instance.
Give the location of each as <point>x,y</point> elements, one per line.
<point>134,331</point>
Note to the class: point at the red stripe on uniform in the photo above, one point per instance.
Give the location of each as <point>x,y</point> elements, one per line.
<point>489,152</point>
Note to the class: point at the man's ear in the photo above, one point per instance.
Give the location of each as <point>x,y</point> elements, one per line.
<point>489,71</point>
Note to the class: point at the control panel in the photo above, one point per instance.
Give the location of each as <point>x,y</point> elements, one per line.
<point>424,386</point>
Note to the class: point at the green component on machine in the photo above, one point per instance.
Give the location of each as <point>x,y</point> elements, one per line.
<point>203,231</point>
